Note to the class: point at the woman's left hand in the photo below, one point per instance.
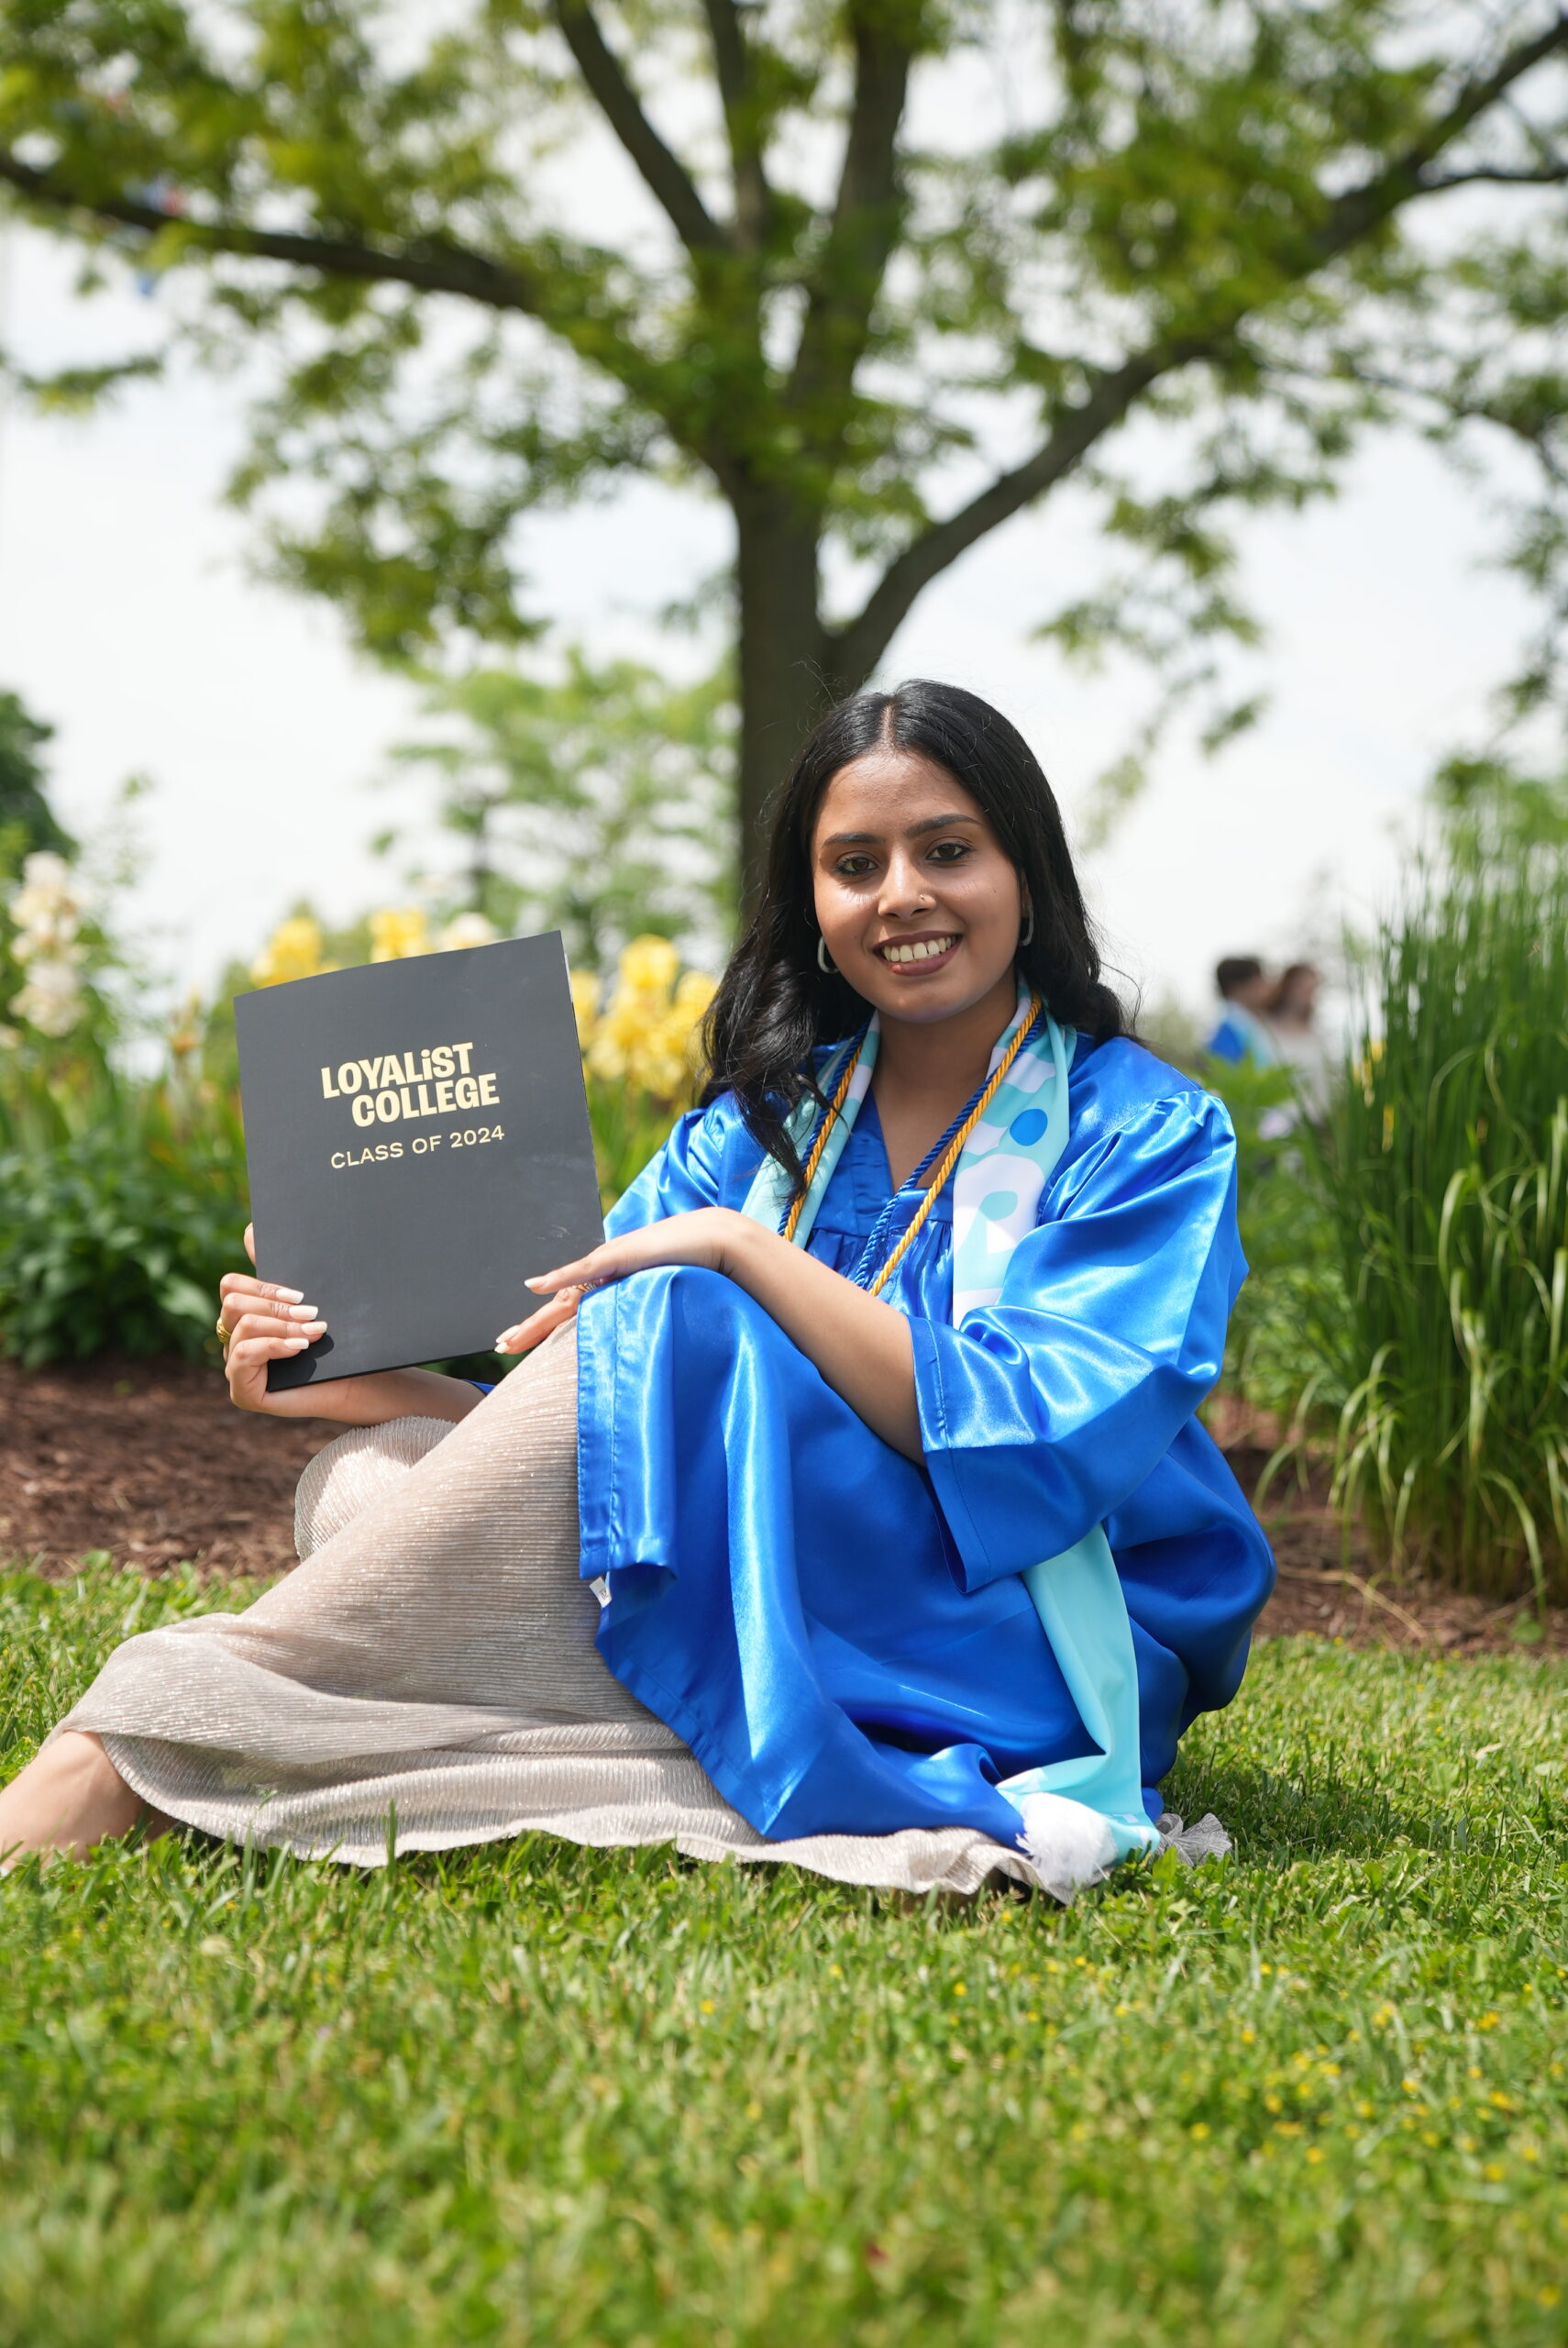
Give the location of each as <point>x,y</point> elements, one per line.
<point>709,1237</point>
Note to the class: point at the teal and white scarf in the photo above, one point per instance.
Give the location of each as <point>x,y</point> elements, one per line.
<point>1079,1818</point>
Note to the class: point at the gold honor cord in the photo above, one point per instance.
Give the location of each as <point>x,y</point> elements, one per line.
<point>835,1106</point>
<point>954,1148</point>
<point>950,1155</point>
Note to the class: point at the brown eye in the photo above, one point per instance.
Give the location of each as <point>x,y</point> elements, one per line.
<point>853,868</point>
<point>949,852</point>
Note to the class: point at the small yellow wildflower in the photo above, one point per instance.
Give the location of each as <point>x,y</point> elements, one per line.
<point>648,965</point>
<point>397,936</point>
<point>695,993</point>
<point>293,951</point>
<point>585,1004</point>
<point>647,1032</point>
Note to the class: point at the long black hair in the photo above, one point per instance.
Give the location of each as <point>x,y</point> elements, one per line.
<point>774,1003</point>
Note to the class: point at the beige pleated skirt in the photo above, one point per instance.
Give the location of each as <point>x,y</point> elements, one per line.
<point>426,1677</point>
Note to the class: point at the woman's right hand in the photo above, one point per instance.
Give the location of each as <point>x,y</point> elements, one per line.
<point>265,1323</point>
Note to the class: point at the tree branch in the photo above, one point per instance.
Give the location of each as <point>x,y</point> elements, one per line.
<point>1546,175</point>
<point>754,198</point>
<point>664,174</point>
<point>865,219</point>
<point>434,265</point>
<point>1360,209</point>
<point>861,643</point>
<point>858,647</point>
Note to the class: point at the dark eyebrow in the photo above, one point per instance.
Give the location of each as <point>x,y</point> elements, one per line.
<point>931,824</point>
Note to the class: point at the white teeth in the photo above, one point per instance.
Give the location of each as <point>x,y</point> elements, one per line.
<point>921,951</point>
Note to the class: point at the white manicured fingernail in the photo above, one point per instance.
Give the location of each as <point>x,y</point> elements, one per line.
<point>296,1345</point>
<point>294,1295</point>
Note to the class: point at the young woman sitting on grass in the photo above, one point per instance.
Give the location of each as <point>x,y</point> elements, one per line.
<point>851,1507</point>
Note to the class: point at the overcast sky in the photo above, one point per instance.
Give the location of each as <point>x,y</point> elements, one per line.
<point>128,620</point>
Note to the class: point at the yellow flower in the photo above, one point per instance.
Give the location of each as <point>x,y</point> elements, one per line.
<point>585,1004</point>
<point>694,993</point>
<point>648,965</point>
<point>398,936</point>
<point>293,951</point>
<point>647,1034</point>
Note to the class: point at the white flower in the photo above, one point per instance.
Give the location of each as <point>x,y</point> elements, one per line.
<point>47,910</point>
<point>51,1000</point>
<point>468,929</point>
<point>44,869</point>
<point>48,941</point>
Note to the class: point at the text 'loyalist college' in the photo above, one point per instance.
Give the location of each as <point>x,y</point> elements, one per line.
<point>400,1085</point>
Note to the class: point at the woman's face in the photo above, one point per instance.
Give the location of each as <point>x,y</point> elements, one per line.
<point>918,904</point>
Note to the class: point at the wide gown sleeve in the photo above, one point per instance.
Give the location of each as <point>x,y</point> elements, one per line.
<point>1042,1412</point>
<point>686,1173</point>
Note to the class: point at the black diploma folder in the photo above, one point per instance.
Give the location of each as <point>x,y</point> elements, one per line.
<point>418,1141</point>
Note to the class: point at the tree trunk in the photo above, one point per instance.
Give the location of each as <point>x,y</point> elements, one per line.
<point>785,683</point>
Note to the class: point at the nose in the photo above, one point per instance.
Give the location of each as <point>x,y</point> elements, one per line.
<point>905,890</point>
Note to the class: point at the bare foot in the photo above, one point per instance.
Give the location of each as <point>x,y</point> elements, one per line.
<point>70,1798</point>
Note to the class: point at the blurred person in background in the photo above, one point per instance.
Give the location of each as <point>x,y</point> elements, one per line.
<point>1300,1042</point>
<point>1244,1036</point>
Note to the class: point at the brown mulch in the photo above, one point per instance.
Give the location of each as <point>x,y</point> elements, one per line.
<point>1332,1588</point>
<point>148,1462</point>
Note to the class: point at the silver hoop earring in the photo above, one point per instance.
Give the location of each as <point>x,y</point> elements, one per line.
<point>829,969</point>
<point>1026,934</point>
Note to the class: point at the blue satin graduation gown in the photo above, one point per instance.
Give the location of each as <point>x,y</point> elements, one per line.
<point>842,1637</point>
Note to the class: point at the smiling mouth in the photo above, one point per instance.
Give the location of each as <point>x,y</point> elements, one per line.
<point>902,952</point>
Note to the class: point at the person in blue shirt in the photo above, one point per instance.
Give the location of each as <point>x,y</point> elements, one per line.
<point>1243,1033</point>
<point>890,1484</point>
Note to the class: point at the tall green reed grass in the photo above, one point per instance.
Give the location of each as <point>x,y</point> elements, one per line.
<point>1444,1170</point>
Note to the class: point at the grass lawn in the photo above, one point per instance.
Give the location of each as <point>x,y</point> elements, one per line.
<point>539,2094</point>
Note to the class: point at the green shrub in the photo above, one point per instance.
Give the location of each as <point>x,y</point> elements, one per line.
<point>122,1202</point>
<point>1445,1174</point>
